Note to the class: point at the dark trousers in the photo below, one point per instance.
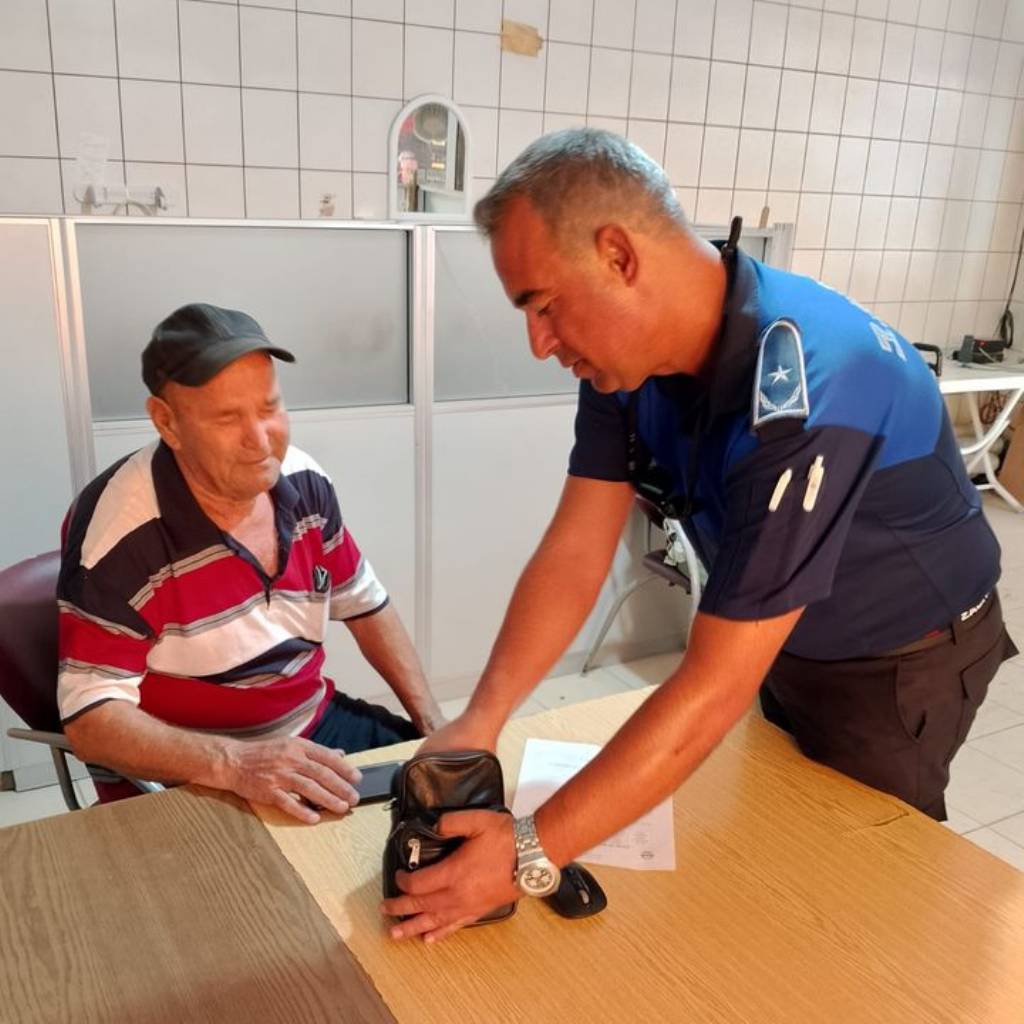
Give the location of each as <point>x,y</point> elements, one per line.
<point>352,725</point>
<point>893,722</point>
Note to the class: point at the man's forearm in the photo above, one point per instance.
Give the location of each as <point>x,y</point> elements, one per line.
<point>386,645</point>
<point>296,775</point>
<point>667,738</point>
<point>120,736</point>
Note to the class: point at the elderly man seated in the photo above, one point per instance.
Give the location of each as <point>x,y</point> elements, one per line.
<point>197,578</point>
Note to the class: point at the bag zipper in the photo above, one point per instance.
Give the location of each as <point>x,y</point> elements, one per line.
<point>414,853</point>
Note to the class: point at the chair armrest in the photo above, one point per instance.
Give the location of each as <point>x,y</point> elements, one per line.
<point>51,739</point>
<point>58,744</point>
<point>145,786</point>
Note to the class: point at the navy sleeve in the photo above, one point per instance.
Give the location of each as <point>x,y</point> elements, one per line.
<point>600,451</point>
<point>771,562</point>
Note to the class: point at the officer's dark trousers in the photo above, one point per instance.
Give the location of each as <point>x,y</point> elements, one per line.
<point>893,722</point>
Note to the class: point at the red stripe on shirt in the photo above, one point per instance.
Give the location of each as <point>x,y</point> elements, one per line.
<point>85,641</point>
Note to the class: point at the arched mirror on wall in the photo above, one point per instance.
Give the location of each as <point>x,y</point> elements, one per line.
<point>428,160</point>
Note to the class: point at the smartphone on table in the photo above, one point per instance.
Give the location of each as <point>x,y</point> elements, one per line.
<point>375,784</point>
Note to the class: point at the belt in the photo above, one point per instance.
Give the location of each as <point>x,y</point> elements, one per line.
<point>966,620</point>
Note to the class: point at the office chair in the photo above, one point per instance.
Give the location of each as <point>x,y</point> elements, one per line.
<point>661,563</point>
<point>28,673</point>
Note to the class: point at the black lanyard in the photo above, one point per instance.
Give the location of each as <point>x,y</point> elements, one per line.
<point>650,479</point>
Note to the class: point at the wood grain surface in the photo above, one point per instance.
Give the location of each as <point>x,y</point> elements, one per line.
<point>799,897</point>
<point>171,907</point>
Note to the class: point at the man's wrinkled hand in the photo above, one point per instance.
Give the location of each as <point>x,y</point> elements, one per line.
<point>466,885</point>
<point>292,774</point>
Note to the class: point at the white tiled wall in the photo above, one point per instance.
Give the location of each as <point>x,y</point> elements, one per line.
<point>890,131</point>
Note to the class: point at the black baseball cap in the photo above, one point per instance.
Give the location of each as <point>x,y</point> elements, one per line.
<point>197,341</point>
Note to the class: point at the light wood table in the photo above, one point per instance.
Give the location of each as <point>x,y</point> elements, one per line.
<point>799,897</point>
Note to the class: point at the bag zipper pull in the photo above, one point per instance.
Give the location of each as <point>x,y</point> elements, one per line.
<point>414,853</point>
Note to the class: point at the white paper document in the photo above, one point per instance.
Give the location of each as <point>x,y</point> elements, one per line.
<point>646,845</point>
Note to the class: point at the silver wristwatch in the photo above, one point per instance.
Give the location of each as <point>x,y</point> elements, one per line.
<point>535,874</point>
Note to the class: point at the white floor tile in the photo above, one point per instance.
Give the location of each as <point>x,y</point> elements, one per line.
<point>1006,746</point>
<point>959,822</point>
<point>454,707</point>
<point>1008,686</point>
<point>530,706</point>
<point>1003,848</point>
<point>647,671</point>
<point>564,690</point>
<point>31,805</point>
<point>86,792</point>
<point>993,717</point>
<point>1012,828</point>
<point>984,788</point>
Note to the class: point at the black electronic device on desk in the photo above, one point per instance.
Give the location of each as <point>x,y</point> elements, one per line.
<point>935,367</point>
<point>986,351</point>
<point>376,783</point>
<point>983,351</point>
<point>578,893</point>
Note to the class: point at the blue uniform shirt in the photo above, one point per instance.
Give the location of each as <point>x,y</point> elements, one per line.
<point>895,545</point>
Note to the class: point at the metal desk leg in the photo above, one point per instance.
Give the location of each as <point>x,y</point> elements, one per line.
<point>978,452</point>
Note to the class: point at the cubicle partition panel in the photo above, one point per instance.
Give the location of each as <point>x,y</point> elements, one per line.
<point>414,388</point>
<point>34,465</point>
<point>502,432</point>
<point>336,295</point>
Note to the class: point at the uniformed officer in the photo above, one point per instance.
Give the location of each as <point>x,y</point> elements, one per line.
<point>806,445</point>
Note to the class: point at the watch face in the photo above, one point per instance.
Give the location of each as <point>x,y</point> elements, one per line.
<point>538,879</point>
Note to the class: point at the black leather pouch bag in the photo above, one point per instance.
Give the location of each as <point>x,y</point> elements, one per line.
<point>426,787</point>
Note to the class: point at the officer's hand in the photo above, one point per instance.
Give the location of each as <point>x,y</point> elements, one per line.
<point>469,731</point>
<point>290,773</point>
<point>471,882</point>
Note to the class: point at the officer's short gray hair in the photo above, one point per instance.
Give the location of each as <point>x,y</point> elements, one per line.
<point>577,175</point>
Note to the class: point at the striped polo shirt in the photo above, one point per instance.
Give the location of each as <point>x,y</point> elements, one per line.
<point>162,608</point>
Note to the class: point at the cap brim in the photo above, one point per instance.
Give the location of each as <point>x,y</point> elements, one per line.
<point>207,364</point>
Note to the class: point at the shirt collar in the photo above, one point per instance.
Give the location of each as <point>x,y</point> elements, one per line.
<point>726,386</point>
<point>188,526</point>
<point>735,354</point>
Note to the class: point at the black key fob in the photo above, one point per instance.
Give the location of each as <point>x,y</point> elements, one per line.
<point>578,894</point>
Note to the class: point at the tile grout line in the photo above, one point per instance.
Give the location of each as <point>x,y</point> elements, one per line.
<point>707,102</point>
<point>352,115</point>
<point>739,131</point>
<point>241,114</point>
<point>181,91</point>
<point>924,171</point>
<point>632,69</point>
<point>945,201</point>
<point>775,126</point>
<point>56,118</point>
<point>120,110</point>
<point>298,119</point>
<point>661,160</point>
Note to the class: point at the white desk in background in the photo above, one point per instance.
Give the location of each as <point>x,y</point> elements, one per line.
<point>971,381</point>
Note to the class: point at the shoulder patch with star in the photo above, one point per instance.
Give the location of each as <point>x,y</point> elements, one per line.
<point>780,380</point>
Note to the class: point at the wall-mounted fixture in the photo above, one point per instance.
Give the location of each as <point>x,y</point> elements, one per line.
<point>95,194</point>
<point>428,158</point>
